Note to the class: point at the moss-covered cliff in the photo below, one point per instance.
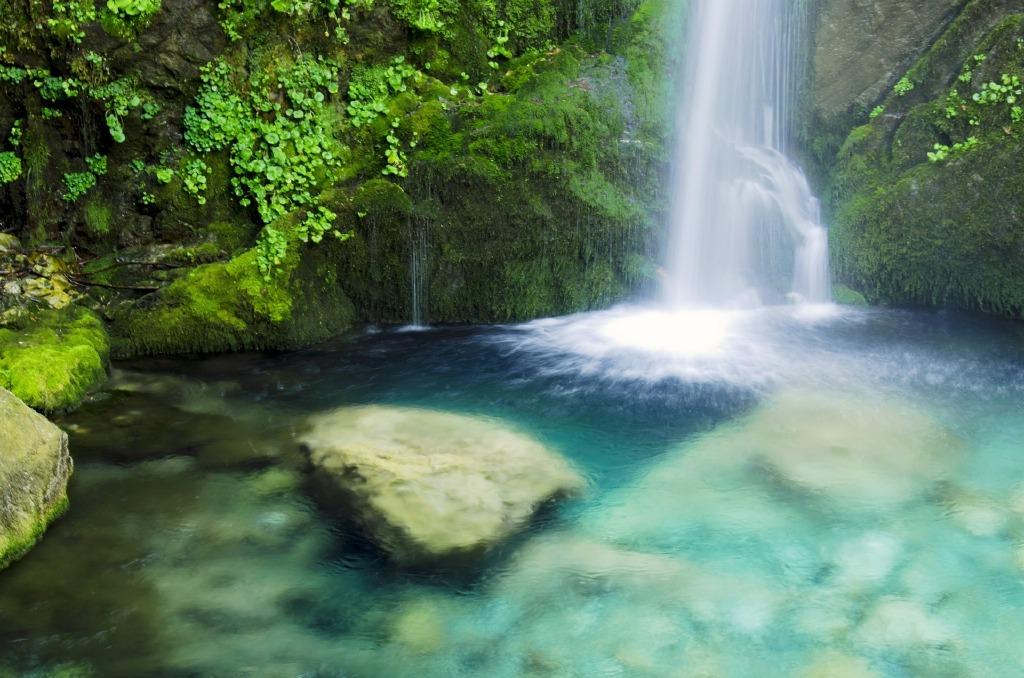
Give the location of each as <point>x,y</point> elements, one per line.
<point>926,196</point>
<point>256,174</point>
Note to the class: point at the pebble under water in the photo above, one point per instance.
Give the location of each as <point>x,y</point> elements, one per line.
<point>771,493</point>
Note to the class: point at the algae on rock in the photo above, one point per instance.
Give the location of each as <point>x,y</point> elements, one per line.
<point>34,470</point>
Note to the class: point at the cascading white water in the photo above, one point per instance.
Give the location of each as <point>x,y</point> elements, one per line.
<point>745,226</point>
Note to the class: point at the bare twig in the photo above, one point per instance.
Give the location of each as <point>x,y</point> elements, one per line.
<point>88,283</point>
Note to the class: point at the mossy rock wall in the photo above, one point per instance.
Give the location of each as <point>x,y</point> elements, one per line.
<point>858,52</point>
<point>913,223</point>
<point>482,160</point>
<point>229,306</point>
<point>541,201</point>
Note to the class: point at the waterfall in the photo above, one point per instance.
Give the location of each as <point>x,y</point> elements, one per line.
<point>745,227</point>
<point>418,273</point>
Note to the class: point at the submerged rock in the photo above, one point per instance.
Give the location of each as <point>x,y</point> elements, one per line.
<point>428,484</point>
<point>852,449</point>
<point>34,470</point>
<point>903,625</point>
<point>833,664</point>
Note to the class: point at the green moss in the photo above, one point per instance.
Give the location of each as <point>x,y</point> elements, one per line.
<point>842,294</point>
<point>229,306</point>
<point>17,545</point>
<point>97,217</point>
<point>534,202</point>
<point>53,358</point>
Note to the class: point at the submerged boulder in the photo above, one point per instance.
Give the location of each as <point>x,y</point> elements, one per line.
<point>851,448</point>
<point>427,485</point>
<point>34,470</point>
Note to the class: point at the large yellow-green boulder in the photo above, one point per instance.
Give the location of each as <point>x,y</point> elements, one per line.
<point>34,470</point>
<point>428,485</point>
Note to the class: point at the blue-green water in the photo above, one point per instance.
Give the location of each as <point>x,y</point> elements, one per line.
<point>770,494</point>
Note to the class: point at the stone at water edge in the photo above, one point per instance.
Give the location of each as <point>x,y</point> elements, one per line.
<point>427,485</point>
<point>34,470</point>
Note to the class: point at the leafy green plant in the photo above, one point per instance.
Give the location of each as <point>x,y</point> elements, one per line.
<point>119,98</point>
<point>271,248</point>
<point>278,131</point>
<point>97,164</point>
<point>876,111</point>
<point>942,152</point>
<point>66,20</point>
<point>500,47</point>
<point>395,160</point>
<point>164,175</point>
<point>15,135</point>
<point>425,15</point>
<point>370,89</point>
<point>77,184</point>
<point>134,8</point>
<point>10,167</point>
<point>194,178</point>
<point>903,87</point>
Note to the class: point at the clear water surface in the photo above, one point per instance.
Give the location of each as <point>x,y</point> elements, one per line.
<point>774,492</point>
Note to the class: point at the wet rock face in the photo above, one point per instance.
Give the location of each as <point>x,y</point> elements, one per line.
<point>862,46</point>
<point>34,470</point>
<point>430,485</point>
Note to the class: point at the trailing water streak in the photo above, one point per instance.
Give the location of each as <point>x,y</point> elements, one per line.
<point>745,226</point>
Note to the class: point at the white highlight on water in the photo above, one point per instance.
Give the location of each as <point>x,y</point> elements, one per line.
<point>746,229</point>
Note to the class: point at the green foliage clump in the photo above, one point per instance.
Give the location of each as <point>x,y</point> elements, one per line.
<point>77,184</point>
<point>370,89</point>
<point>67,18</point>
<point>903,87</point>
<point>283,150</point>
<point>120,97</point>
<point>942,152</point>
<point>426,15</point>
<point>134,8</point>
<point>54,358</point>
<point>10,167</point>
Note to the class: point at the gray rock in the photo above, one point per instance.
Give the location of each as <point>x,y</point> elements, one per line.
<point>862,47</point>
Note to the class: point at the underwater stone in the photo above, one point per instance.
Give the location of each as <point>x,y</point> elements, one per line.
<point>34,470</point>
<point>903,625</point>
<point>854,449</point>
<point>427,485</point>
<point>832,664</point>
<point>867,560</point>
